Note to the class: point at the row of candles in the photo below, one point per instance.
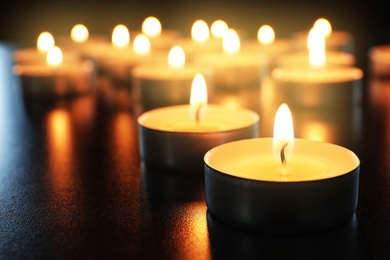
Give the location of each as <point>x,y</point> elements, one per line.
<point>253,183</point>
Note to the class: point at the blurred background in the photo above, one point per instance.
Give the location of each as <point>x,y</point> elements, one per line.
<point>368,21</point>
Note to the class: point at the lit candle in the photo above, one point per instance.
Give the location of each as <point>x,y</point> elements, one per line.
<point>234,69</point>
<point>318,83</point>
<point>165,82</point>
<point>177,137</point>
<point>281,184</point>
<point>339,41</point>
<point>55,77</point>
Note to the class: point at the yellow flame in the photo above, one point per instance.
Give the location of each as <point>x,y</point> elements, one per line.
<point>231,41</point>
<point>45,42</point>
<point>198,99</point>
<point>176,57</point>
<point>316,46</point>
<point>120,36</point>
<point>151,27</point>
<point>324,26</point>
<point>219,28</point>
<point>266,35</point>
<point>141,44</point>
<point>54,56</point>
<point>283,133</point>
<point>200,31</point>
<point>79,33</point>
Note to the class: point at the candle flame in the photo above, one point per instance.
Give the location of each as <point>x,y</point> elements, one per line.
<point>45,41</point>
<point>151,27</point>
<point>219,28</point>
<point>283,134</point>
<point>120,36</point>
<point>176,57</point>
<point>79,33</point>
<point>231,42</point>
<point>324,26</point>
<point>198,99</point>
<point>54,56</point>
<point>200,31</point>
<point>316,46</point>
<point>266,35</point>
<point>141,44</point>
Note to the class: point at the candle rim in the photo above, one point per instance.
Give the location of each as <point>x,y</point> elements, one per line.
<point>254,116</point>
<point>356,159</point>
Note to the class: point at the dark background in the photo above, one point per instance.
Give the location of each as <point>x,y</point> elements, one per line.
<point>23,20</point>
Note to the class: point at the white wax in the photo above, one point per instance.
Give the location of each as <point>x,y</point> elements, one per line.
<point>302,58</point>
<point>178,119</point>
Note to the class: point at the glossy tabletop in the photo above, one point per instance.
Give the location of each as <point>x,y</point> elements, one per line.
<point>73,185</point>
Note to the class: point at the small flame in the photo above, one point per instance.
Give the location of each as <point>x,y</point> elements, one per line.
<point>176,57</point>
<point>200,31</point>
<point>141,44</point>
<point>198,99</point>
<point>54,56</point>
<point>283,133</point>
<point>79,33</point>
<point>151,27</point>
<point>316,46</point>
<point>120,36</point>
<point>231,41</point>
<point>219,28</point>
<point>324,26</point>
<point>45,42</point>
<point>266,35</point>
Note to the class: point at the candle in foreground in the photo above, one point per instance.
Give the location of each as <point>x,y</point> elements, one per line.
<point>175,138</point>
<point>281,184</point>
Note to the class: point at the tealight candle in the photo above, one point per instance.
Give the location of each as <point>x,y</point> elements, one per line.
<point>55,78</point>
<point>166,82</point>
<point>281,184</point>
<point>175,138</point>
<point>319,83</point>
<point>233,68</point>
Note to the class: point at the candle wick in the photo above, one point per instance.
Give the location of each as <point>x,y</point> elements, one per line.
<point>282,156</point>
<point>197,113</point>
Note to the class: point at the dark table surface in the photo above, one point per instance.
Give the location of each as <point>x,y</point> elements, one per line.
<point>72,183</point>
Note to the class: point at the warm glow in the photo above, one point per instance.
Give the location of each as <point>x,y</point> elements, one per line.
<point>231,42</point>
<point>283,133</point>
<point>176,57</point>
<point>120,36</point>
<point>141,44</point>
<point>200,31</point>
<point>79,33</point>
<point>323,26</point>
<point>219,28</point>
<point>151,27</point>
<point>54,56</point>
<point>45,42</point>
<point>198,99</point>
<point>316,46</point>
<point>266,35</point>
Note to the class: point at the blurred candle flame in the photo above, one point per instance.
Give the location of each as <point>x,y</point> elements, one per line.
<point>120,36</point>
<point>200,31</point>
<point>45,41</point>
<point>198,99</point>
<point>219,28</point>
<point>54,56</point>
<point>151,27</point>
<point>324,26</point>
<point>283,133</point>
<point>141,44</point>
<point>231,42</point>
<point>176,57</point>
<point>317,50</point>
<point>79,33</point>
<point>266,35</point>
